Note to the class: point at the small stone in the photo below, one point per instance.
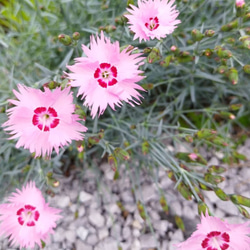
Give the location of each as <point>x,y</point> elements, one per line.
<point>108,243</point>
<point>213,161</point>
<point>161,226</point>
<point>136,245</point>
<point>82,233</point>
<point>172,243</point>
<point>112,208</point>
<point>73,194</point>
<point>176,207</point>
<point>81,211</point>
<point>73,208</point>
<point>116,231</point>
<point>219,155</point>
<point>92,239</point>
<point>189,212</point>
<point>136,224</point>
<point>176,235</point>
<point>70,236</point>
<point>63,201</point>
<point>96,219</point>
<point>148,193</point>
<point>126,233</point>
<point>85,197</point>
<point>153,215</point>
<point>81,246</point>
<point>103,233</point>
<point>148,241</point>
<point>136,232</point>
<point>58,236</point>
<point>138,217</point>
<point>127,197</point>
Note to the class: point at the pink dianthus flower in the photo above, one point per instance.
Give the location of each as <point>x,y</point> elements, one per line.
<point>42,121</point>
<point>27,219</point>
<point>152,19</point>
<point>215,234</point>
<point>106,75</point>
<point>239,3</point>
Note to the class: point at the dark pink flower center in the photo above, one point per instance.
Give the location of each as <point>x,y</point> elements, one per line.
<point>153,23</point>
<point>106,75</point>
<point>45,118</point>
<point>216,241</point>
<point>27,215</point>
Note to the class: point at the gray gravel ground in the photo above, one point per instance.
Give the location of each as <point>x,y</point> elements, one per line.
<point>93,221</point>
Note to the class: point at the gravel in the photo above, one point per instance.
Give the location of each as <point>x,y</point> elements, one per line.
<point>92,220</point>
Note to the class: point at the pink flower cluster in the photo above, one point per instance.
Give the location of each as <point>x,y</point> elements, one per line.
<point>27,219</point>
<point>215,234</point>
<point>105,75</point>
<point>43,121</point>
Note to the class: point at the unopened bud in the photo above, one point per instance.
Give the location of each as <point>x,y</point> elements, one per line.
<point>230,40</point>
<point>76,35</point>
<point>184,57</point>
<point>184,191</point>
<point>224,53</point>
<point>112,162</point>
<point>154,55</point>
<point>221,194</point>
<point>189,138</point>
<point>147,50</point>
<point>216,169</point>
<point>232,75</point>
<point>239,3</point>
<point>197,35</point>
<point>80,112</point>
<point>222,69</point>
<point>240,200</point>
<point>243,211</point>
<point>205,133</point>
<point>51,85</point>
<point>240,7</point>
<point>164,204</point>
<point>65,39</point>
<point>246,17</point>
<point>120,20</point>
<point>245,41</point>
<point>235,107</point>
<point>174,48</point>
<point>246,68</point>
<point>93,140</point>
<point>230,26</point>
<point>141,210</point>
<point>121,154</point>
<point>145,147</point>
<point>203,208</point>
<point>171,175</point>
<point>213,179</point>
<point>110,28</point>
<point>208,53</point>
<point>166,61</point>
<point>247,30</point>
<point>130,2</point>
<point>148,86</point>
<point>179,223</point>
<point>209,33</point>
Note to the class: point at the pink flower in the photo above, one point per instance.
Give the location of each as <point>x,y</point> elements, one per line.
<point>43,120</point>
<point>215,234</point>
<point>152,19</point>
<point>27,219</point>
<point>106,76</point>
<point>239,3</point>
<point>193,156</point>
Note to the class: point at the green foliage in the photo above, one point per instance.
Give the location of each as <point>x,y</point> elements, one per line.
<point>197,81</point>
